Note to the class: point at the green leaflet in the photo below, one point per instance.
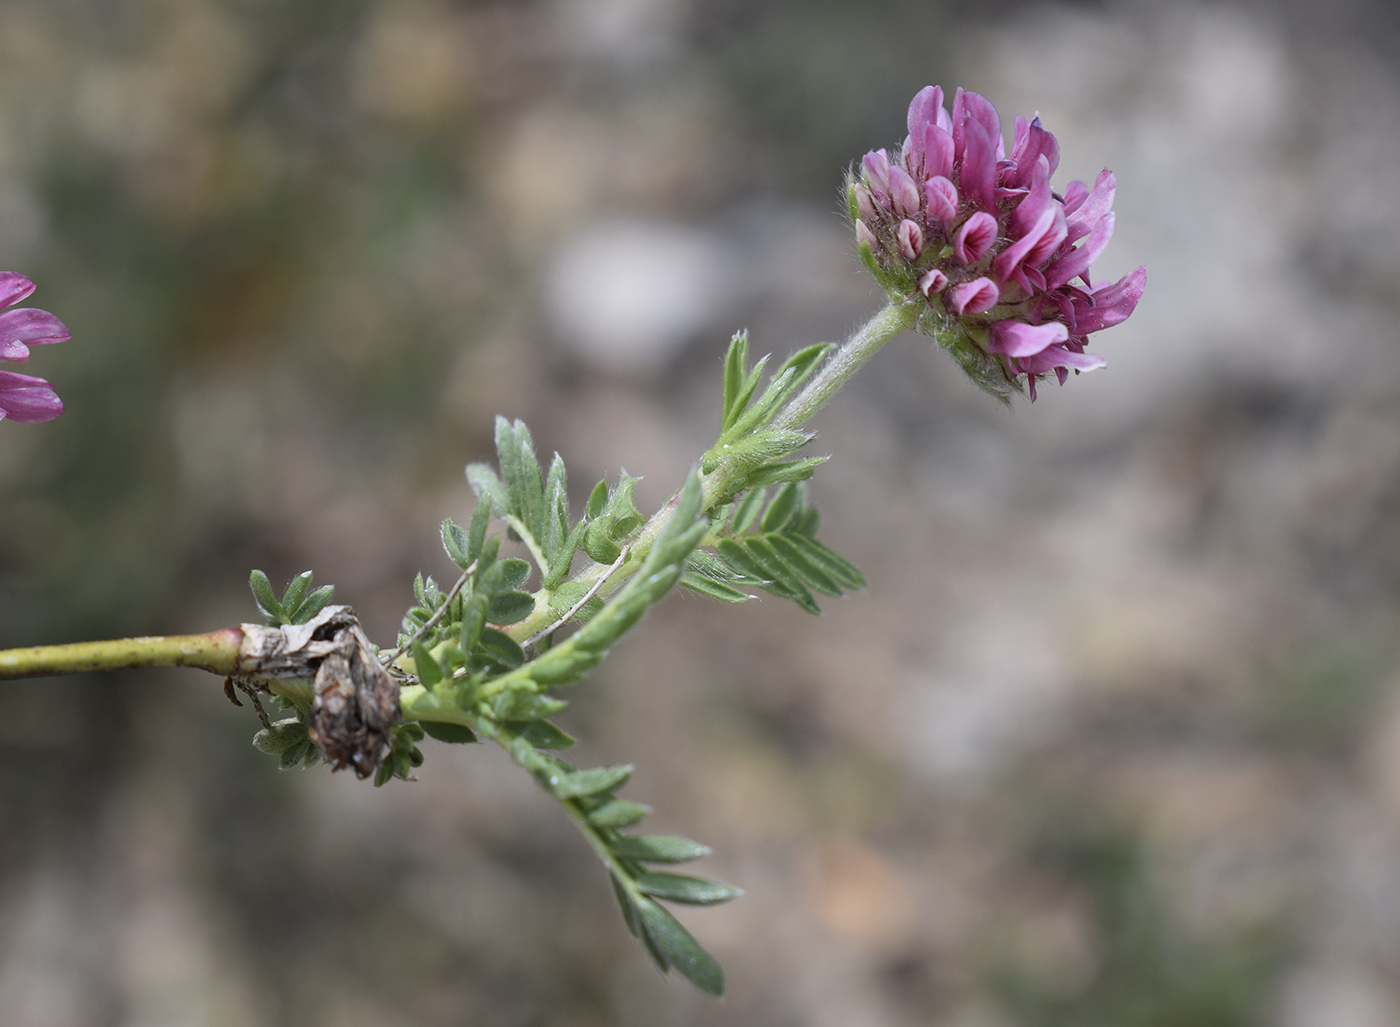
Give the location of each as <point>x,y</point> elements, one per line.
<point>779,555</point>
<point>657,848</point>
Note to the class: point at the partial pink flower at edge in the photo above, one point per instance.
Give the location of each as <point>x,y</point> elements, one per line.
<point>24,398</point>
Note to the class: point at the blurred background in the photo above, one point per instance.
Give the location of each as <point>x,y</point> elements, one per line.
<point>1114,737</point>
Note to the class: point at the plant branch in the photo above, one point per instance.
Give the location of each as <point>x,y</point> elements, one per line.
<point>214,651</point>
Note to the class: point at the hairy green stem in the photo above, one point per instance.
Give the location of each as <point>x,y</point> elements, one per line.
<point>834,372</point>
<point>214,651</point>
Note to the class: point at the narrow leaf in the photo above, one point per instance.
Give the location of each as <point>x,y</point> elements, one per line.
<point>501,648</point>
<point>510,607</point>
<point>708,586</point>
<point>518,704</point>
<point>678,948</point>
<point>735,364</point>
<point>313,604</point>
<point>296,591</point>
<point>847,574</point>
<point>456,734</point>
<point>748,508</point>
<point>792,470</point>
<point>263,595</point>
<point>489,489</point>
<point>592,782</point>
<point>786,503</point>
<point>556,509</point>
<point>542,734</point>
<point>598,498</point>
<point>812,573</point>
<point>658,848</point>
<point>457,543</point>
<point>429,673</point>
<point>693,891</point>
<point>618,813</point>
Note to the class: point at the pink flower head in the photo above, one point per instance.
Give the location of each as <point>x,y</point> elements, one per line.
<point>1001,260</point>
<point>23,398</point>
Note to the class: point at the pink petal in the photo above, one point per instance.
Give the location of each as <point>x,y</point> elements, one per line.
<point>921,117</point>
<point>1087,215</point>
<point>1038,199</point>
<point>932,281</point>
<point>13,287</point>
<point>865,237</point>
<point>975,238</point>
<point>877,171</point>
<point>938,150</point>
<point>865,205</point>
<point>942,199</point>
<point>904,194</point>
<point>1076,262</point>
<point>1032,143</point>
<point>1075,195</point>
<point>974,297</point>
<point>911,239</point>
<point>1055,357</point>
<point>969,107</point>
<point>1009,258</point>
<point>1112,303</point>
<point>1018,339</point>
<point>31,325</point>
<point>977,177</point>
<point>26,399</point>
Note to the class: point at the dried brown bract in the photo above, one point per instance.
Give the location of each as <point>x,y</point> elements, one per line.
<point>355,701</point>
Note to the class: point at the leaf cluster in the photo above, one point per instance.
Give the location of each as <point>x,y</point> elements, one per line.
<point>772,547</point>
<point>747,437</point>
<point>298,603</point>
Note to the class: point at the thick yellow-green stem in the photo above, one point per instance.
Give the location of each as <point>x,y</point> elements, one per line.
<point>214,651</point>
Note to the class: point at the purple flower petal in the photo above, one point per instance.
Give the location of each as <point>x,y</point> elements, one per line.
<point>877,171</point>
<point>1084,218</point>
<point>938,150</point>
<point>1076,262</point>
<point>977,177</point>
<point>26,399</point>
<point>932,281</point>
<point>975,238</point>
<point>921,117</point>
<point>1032,143</point>
<point>942,199</point>
<point>36,327</point>
<point>904,194</point>
<point>13,288</point>
<point>974,297</point>
<point>1018,339</point>
<point>1112,303</point>
<point>911,239</point>
<point>1011,257</point>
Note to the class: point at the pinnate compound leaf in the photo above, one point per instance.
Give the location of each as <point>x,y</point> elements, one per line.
<point>673,946</point>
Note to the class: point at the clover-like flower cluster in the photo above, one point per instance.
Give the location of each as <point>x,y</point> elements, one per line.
<point>24,398</point>
<point>983,239</point>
